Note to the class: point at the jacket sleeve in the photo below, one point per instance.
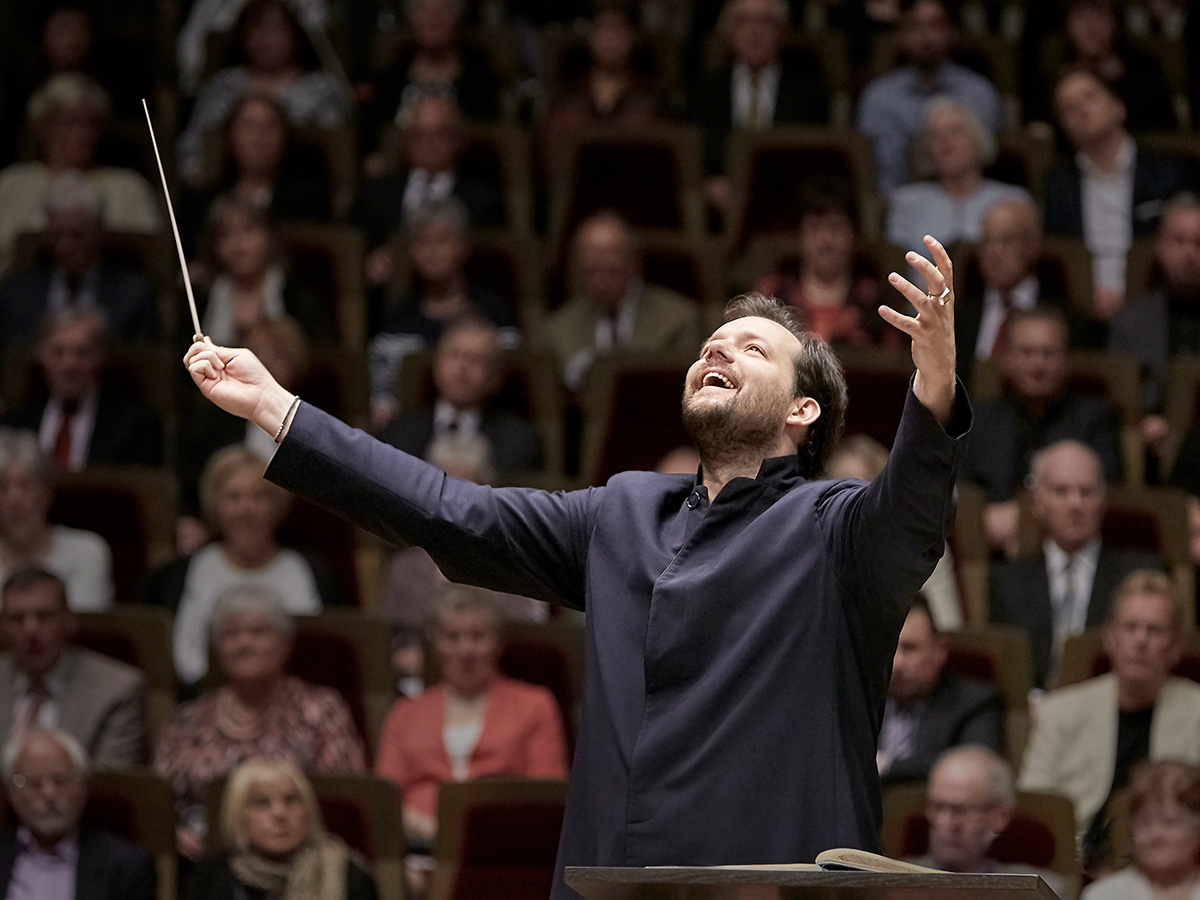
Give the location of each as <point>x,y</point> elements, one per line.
<point>514,540</point>
<point>121,738</point>
<point>885,538</point>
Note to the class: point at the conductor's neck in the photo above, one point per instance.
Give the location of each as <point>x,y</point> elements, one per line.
<point>718,471</point>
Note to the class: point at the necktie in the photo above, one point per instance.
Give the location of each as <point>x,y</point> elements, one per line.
<point>1066,606</point>
<point>1006,301</point>
<point>30,712</point>
<point>61,454</point>
<point>754,109</point>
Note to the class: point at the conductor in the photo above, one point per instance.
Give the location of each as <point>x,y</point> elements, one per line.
<point>740,624</point>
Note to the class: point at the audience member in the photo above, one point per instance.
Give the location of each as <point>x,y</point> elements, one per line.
<point>1009,275</point>
<point>612,308</point>
<point>44,681</point>
<point>67,116</point>
<point>1066,587</point>
<point>274,54</point>
<point>1035,408</point>
<point>262,163</point>
<point>81,420</point>
<point>250,280</point>
<point>970,802</point>
<point>1095,41</point>
<point>606,80</point>
<point>67,42</point>
<point>80,558</point>
<point>412,579</point>
<point>210,17</point>
<point>952,153</point>
<point>1165,323</point>
<point>79,274</point>
<point>758,87</point>
<point>274,845</point>
<point>1110,190</point>
<point>474,722</point>
<point>441,290</point>
<point>929,709</point>
<point>432,141</point>
<point>436,60</point>
<point>832,287</point>
<point>242,511</point>
<point>51,855</point>
<point>258,710</point>
<point>467,372</point>
<point>1087,737</point>
<point>863,457</point>
<point>1164,812</point>
<point>890,110</point>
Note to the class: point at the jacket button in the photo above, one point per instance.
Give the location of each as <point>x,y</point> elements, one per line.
<point>693,501</point>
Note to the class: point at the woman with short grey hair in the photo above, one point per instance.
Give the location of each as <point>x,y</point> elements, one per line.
<point>67,116</point>
<point>257,710</point>
<point>952,153</point>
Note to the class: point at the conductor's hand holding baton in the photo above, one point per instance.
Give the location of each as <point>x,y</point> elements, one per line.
<point>235,380</point>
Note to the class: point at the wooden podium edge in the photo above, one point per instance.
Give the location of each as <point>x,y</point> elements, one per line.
<point>603,883</point>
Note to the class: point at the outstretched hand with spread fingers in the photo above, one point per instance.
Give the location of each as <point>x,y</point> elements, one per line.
<point>931,329</point>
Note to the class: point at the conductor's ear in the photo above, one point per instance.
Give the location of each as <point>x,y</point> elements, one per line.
<point>804,411</point>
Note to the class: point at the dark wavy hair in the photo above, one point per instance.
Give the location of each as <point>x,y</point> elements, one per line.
<point>818,375</point>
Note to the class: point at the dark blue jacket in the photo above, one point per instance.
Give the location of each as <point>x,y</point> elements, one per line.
<point>738,651</point>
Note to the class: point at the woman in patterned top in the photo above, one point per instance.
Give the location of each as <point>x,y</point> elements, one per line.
<point>258,711</point>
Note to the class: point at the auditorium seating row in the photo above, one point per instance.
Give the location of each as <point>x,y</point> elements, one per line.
<point>344,650</point>
<point>498,838</point>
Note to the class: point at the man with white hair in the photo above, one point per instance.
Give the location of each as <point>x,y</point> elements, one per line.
<point>1066,587</point>
<point>78,273</point>
<point>970,801</point>
<point>51,856</point>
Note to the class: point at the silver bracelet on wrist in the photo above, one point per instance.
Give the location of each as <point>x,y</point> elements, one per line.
<point>287,416</point>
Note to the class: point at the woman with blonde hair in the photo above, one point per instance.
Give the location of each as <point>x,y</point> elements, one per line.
<point>243,512</point>
<point>275,845</point>
<point>67,116</point>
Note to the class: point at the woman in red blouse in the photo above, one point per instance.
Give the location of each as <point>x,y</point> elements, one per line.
<point>473,722</point>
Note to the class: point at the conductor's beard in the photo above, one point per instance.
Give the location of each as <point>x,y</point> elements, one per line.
<point>739,425</point>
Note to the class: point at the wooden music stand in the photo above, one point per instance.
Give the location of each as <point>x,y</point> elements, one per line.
<point>703,883</point>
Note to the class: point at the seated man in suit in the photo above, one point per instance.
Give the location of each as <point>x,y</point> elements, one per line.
<point>929,709</point>
<point>1066,587</point>
<point>51,856</point>
<point>890,110</point>
<point>1005,278</point>
<point>758,87</point>
<point>970,801</point>
<point>45,681</point>
<point>1087,736</point>
<point>80,421</point>
<point>432,140</point>
<point>77,275</point>
<point>1035,408</point>
<point>467,372</point>
<point>1164,323</point>
<point>1109,191</point>
<point>614,309</point>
